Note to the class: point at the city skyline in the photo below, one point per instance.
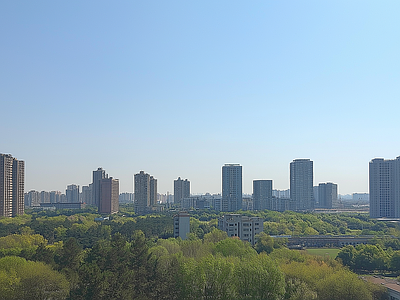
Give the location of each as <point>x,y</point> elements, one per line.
<point>181,88</point>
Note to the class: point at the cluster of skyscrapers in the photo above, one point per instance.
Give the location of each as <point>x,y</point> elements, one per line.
<point>103,192</point>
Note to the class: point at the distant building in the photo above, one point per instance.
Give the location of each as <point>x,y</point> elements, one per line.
<point>44,197</point>
<point>109,196</point>
<point>328,195</point>
<point>262,194</point>
<point>301,183</point>
<point>243,227</point>
<point>76,205</point>
<point>72,194</point>
<point>98,175</point>
<point>360,197</point>
<point>153,191</point>
<point>12,180</point>
<point>181,225</point>
<point>32,198</point>
<point>86,195</point>
<point>384,188</point>
<point>231,187</point>
<point>126,197</point>
<point>55,196</point>
<point>145,192</point>
<point>181,190</point>
<point>281,193</point>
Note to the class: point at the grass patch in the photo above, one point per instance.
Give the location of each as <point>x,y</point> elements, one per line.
<point>332,252</point>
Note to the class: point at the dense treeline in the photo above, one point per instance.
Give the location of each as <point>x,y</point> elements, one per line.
<point>73,256</point>
<point>380,255</point>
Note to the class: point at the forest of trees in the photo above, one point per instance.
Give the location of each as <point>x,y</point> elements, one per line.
<point>48,255</point>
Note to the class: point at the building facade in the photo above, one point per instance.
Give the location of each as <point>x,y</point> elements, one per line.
<point>98,175</point>
<point>262,194</point>
<point>181,225</point>
<point>231,187</point>
<point>181,190</point>
<point>72,193</point>
<point>243,227</point>
<point>109,196</point>
<point>12,180</point>
<point>328,195</point>
<point>384,188</point>
<point>153,191</point>
<point>142,192</point>
<point>301,183</point>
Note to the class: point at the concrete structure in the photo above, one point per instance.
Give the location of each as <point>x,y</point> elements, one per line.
<point>12,180</point>
<point>392,285</point>
<point>181,190</point>
<point>153,191</point>
<point>181,225</point>
<point>262,194</point>
<point>301,183</point>
<point>72,194</point>
<point>32,198</point>
<point>243,227</point>
<point>126,197</point>
<point>328,195</point>
<point>109,196</point>
<point>55,196</point>
<point>86,195</point>
<point>360,197</point>
<point>98,175</point>
<point>142,192</point>
<point>384,188</point>
<point>78,205</point>
<point>281,193</point>
<point>231,187</point>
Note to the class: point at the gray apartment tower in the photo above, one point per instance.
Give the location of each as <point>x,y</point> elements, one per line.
<point>231,187</point>
<point>98,175</point>
<point>262,194</point>
<point>384,188</point>
<point>109,196</point>
<point>145,192</point>
<point>72,193</point>
<point>12,179</point>
<point>301,183</point>
<point>181,190</point>
<point>327,195</point>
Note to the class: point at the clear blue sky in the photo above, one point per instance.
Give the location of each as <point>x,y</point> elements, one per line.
<point>178,88</point>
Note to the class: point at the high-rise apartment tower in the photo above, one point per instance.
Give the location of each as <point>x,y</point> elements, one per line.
<point>181,190</point>
<point>328,195</point>
<point>109,196</point>
<point>262,194</point>
<point>145,192</point>
<point>301,183</point>
<point>12,178</point>
<point>231,187</point>
<point>98,175</point>
<point>384,188</point>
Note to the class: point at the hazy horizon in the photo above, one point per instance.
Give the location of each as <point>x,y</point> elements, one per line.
<point>180,88</point>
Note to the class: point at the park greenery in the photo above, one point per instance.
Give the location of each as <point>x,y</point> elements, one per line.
<point>69,255</point>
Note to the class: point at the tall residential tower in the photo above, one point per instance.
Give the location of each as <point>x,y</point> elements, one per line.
<point>301,183</point>
<point>384,188</point>
<point>181,190</point>
<point>231,187</point>
<point>12,179</point>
